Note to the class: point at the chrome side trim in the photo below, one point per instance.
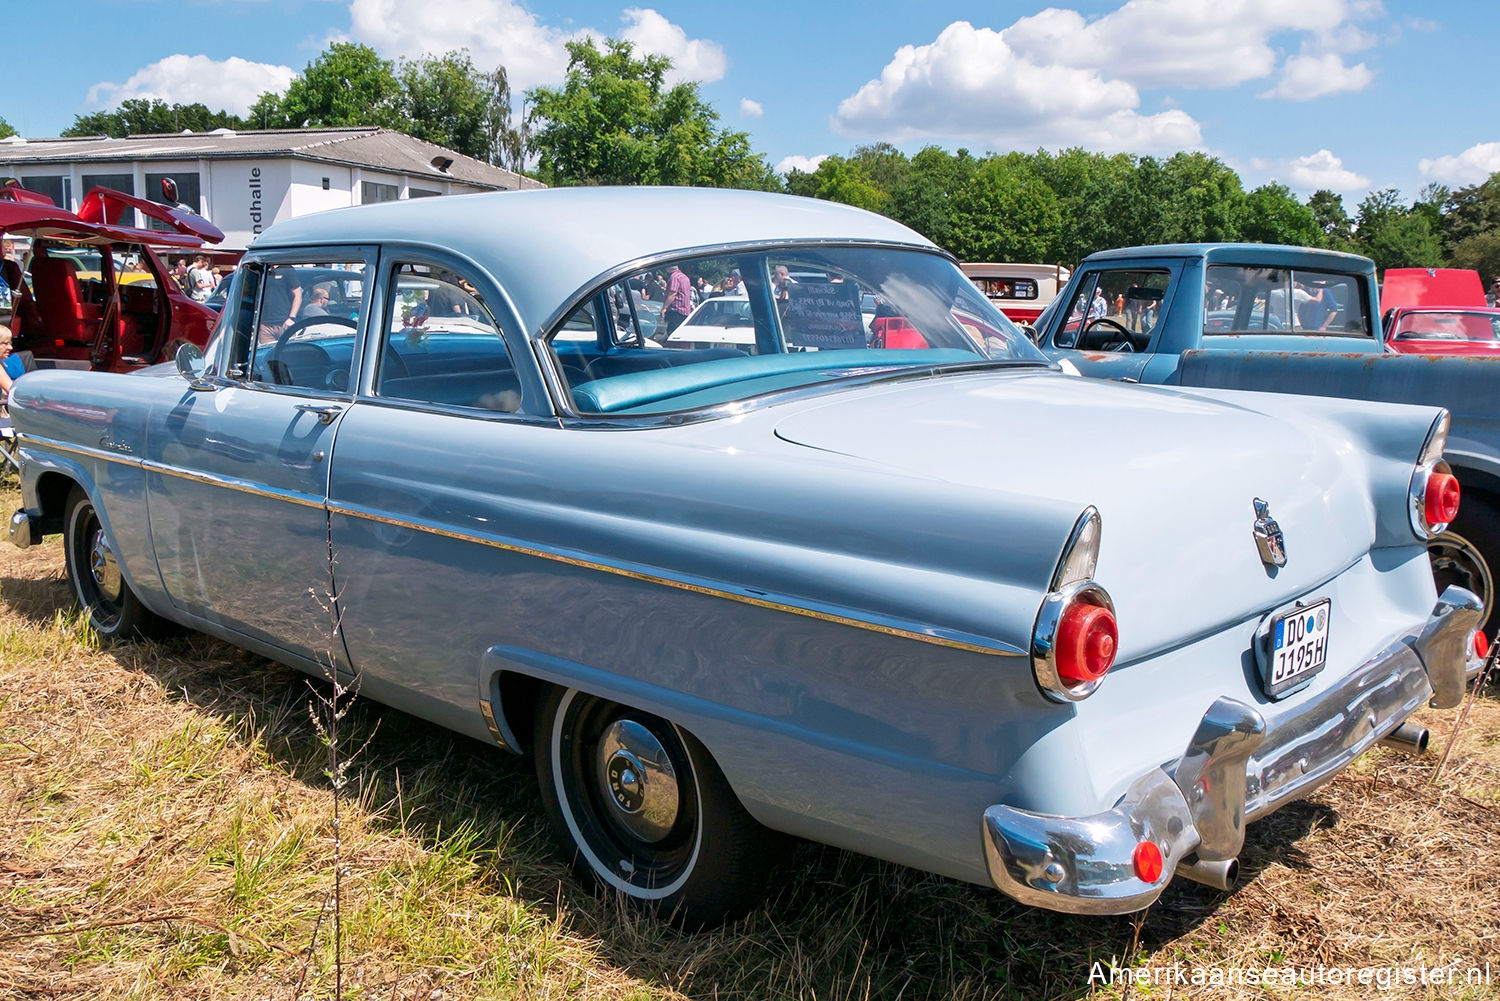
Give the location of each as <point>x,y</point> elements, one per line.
<point>232,483</point>
<point>101,454</point>
<point>948,639</point>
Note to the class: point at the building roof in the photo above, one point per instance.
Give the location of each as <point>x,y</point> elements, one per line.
<point>541,247</point>
<point>364,146</point>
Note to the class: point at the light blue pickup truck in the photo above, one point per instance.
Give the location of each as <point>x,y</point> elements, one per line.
<point>1280,319</point>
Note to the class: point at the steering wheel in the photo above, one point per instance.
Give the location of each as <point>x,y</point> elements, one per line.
<point>1117,336</point>
<point>279,359</point>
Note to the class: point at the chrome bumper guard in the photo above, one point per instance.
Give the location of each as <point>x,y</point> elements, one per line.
<point>1236,769</point>
<point>24,530</point>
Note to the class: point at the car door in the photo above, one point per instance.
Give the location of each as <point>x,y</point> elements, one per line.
<point>454,424</point>
<point>238,478</point>
<point>1112,321</point>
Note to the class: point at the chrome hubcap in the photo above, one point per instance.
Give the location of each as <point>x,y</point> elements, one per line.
<point>640,784</point>
<point>102,565</point>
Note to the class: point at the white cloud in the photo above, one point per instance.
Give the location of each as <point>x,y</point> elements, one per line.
<point>1159,43</point>
<point>693,59</point>
<point>229,85</point>
<point>971,84</point>
<point>806,164</point>
<point>503,33</point>
<point>1323,170</point>
<point>750,109</point>
<point>1472,166</point>
<point>1306,77</point>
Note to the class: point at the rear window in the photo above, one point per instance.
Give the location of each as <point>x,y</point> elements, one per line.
<point>1245,300</point>
<point>700,332</point>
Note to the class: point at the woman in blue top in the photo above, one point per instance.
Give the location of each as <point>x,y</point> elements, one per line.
<point>11,367</point>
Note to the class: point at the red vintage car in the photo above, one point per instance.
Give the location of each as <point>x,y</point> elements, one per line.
<point>1438,311</point>
<point>98,295</point>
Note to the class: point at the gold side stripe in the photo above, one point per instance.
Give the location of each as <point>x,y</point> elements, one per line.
<point>995,650</point>
<point>231,483</point>
<point>303,500</point>
<point>32,442</point>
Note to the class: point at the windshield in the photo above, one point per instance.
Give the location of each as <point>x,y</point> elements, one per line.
<point>700,332</point>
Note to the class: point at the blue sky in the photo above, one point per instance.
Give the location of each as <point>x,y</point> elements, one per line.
<point>1351,95</point>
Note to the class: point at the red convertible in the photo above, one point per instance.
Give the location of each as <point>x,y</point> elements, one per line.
<point>98,296</point>
<point>1438,311</point>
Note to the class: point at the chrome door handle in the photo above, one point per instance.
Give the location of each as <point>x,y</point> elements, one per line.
<point>324,414</point>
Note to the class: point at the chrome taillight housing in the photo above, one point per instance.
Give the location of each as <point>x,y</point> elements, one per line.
<point>1433,498</point>
<point>1075,638</point>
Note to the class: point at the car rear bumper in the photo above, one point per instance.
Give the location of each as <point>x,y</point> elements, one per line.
<point>1236,769</point>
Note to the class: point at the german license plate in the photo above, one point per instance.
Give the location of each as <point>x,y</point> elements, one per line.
<point>1298,646</point>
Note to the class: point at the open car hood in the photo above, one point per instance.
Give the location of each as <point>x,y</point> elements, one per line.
<point>23,214</point>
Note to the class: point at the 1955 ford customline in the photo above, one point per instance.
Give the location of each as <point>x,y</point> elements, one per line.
<point>895,584</point>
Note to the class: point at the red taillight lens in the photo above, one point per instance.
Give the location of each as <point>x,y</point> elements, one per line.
<point>1481,643</point>
<point>1440,498</point>
<point>1147,862</point>
<point>1086,639</point>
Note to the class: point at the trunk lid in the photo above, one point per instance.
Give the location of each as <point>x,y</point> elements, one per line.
<point>1174,476</point>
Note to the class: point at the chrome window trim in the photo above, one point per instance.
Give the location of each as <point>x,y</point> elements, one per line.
<point>760,599</point>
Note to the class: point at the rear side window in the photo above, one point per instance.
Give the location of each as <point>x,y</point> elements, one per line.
<point>441,345</point>
<point>1244,300</point>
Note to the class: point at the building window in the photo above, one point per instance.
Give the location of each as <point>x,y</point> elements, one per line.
<point>372,191</point>
<point>421,193</point>
<point>120,182</point>
<point>189,193</point>
<point>58,187</point>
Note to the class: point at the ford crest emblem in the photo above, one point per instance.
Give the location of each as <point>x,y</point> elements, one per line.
<point>1268,537</point>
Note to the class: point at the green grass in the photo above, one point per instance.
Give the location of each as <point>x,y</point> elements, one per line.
<point>166,832</point>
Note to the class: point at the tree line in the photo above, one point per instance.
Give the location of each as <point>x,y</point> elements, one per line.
<point>614,120</point>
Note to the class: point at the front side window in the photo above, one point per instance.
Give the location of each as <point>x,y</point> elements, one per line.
<point>1115,310</point>
<point>1245,300</point>
<point>440,344</point>
<point>284,331</point>
<point>699,332</point>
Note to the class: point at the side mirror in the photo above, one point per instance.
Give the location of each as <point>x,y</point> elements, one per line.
<point>1031,332</point>
<point>189,361</point>
<point>169,190</point>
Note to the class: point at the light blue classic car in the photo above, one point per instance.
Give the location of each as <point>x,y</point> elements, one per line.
<point>893,583</point>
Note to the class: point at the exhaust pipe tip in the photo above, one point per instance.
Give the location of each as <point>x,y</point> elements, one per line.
<point>1408,736</point>
<point>1221,874</point>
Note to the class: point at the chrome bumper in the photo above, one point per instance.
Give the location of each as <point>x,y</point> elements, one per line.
<point>25,532</point>
<point>1235,770</point>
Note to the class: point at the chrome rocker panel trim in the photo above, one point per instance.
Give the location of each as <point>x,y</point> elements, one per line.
<point>1236,769</point>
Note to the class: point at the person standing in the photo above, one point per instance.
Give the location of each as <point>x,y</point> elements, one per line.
<point>280,303</point>
<point>679,298</point>
<point>201,279</point>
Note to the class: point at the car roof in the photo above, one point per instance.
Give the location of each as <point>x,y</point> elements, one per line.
<point>1265,254</point>
<point>542,246</point>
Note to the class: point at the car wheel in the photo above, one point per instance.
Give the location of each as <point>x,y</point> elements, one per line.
<point>643,809</point>
<point>1465,553</point>
<point>113,610</point>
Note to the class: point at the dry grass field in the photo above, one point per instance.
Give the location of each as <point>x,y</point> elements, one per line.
<point>166,832</point>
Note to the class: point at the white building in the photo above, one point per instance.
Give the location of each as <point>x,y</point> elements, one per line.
<point>245,181</point>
